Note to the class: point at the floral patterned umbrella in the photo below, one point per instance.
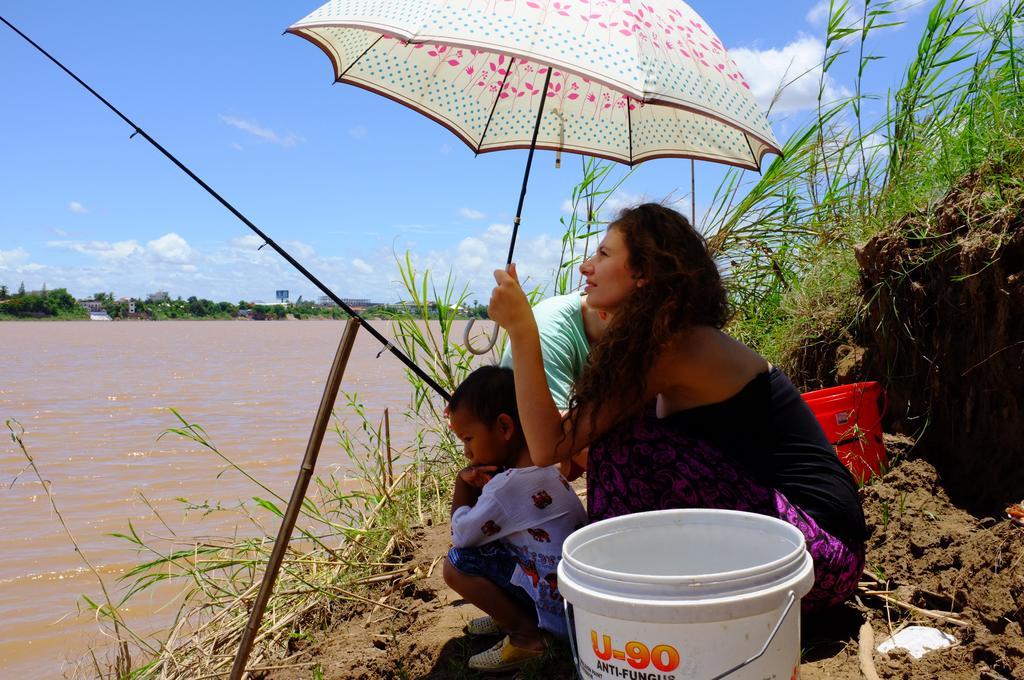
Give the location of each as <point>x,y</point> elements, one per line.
<point>625,80</point>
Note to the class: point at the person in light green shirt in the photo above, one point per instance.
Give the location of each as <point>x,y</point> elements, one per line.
<point>568,326</point>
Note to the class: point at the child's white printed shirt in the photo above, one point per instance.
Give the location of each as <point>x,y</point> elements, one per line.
<point>533,510</point>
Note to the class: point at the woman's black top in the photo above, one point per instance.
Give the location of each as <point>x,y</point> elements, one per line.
<point>769,429</point>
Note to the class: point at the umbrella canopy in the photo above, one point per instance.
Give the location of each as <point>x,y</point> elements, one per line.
<point>619,79</point>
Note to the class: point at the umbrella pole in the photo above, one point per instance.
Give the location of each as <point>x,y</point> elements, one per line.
<point>693,193</point>
<point>529,164</point>
<point>316,437</point>
<point>515,223</point>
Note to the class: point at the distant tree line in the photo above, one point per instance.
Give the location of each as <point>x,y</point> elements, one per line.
<point>57,303</point>
<point>61,304</point>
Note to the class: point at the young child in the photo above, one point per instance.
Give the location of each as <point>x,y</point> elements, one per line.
<point>509,519</point>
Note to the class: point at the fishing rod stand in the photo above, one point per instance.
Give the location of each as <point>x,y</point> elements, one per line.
<point>291,514</point>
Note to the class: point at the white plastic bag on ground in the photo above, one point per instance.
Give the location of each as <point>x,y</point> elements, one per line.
<point>918,641</point>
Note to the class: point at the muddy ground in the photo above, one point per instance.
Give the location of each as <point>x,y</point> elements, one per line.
<point>931,556</point>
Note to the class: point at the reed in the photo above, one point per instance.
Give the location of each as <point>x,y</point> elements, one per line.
<point>787,237</point>
<point>599,182</point>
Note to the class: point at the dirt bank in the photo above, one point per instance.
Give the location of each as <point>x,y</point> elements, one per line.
<point>925,551</point>
<point>943,329</point>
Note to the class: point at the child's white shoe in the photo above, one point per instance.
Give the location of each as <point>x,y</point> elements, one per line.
<point>502,657</point>
<point>480,626</point>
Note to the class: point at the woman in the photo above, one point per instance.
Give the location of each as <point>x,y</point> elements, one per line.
<point>677,413</point>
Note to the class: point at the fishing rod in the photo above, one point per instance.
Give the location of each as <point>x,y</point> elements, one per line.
<point>267,240</point>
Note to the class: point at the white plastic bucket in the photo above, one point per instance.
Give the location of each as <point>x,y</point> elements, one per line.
<point>676,594</point>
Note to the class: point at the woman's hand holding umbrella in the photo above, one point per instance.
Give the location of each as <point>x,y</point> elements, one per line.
<point>539,416</point>
<point>509,307</point>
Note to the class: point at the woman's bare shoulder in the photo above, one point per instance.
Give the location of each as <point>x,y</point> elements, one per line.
<point>677,362</point>
<point>703,365</point>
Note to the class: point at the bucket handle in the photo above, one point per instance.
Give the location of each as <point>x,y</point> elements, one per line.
<point>767,643</point>
<point>571,620</point>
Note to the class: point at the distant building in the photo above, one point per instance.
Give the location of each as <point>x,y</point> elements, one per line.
<point>325,301</point>
<point>431,305</point>
<point>362,304</point>
<point>129,305</point>
<point>159,296</point>
<point>92,305</point>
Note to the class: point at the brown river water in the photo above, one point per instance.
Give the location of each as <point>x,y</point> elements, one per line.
<point>93,397</point>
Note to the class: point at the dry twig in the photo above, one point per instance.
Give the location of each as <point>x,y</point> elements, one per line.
<point>945,618</point>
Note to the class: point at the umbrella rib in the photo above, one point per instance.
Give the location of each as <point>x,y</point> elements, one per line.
<point>356,60</point>
<point>497,98</point>
<point>753,156</point>
<point>629,128</point>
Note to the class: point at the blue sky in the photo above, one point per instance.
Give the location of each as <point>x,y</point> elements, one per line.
<point>343,178</point>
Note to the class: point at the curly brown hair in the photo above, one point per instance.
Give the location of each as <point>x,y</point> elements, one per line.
<point>683,289</point>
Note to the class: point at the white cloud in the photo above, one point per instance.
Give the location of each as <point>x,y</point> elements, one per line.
<point>819,13</point>
<point>102,250</point>
<point>500,230</point>
<point>471,214</point>
<point>300,249</point>
<point>474,258</point>
<point>76,207</point>
<point>358,132</point>
<point>898,12</point>
<point>11,258</point>
<point>471,253</point>
<point>247,242</point>
<point>287,140</point>
<point>362,266</point>
<point>235,269</point>
<point>796,68</point>
<point>621,200</point>
<point>170,248</point>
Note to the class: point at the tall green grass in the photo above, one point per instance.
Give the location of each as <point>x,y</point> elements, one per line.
<point>786,237</point>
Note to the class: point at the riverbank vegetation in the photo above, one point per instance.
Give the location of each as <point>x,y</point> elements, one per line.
<point>60,305</point>
<point>802,245</point>
<point>53,304</point>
